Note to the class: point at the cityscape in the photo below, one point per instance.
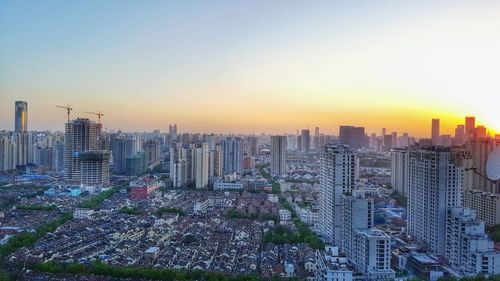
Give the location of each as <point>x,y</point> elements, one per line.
<point>340,183</point>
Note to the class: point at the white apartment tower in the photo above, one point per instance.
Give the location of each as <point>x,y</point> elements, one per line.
<point>201,165</point>
<point>399,171</point>
<point>434,184</point>
<point>357,213</point>
<point>337,176</point>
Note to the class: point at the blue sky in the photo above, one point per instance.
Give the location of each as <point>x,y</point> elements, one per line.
<point>223,65</point>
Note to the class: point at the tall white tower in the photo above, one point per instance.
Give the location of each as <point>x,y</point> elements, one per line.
<point>337,176</point>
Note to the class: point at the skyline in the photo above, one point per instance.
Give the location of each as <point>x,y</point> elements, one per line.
<point>252,67</point>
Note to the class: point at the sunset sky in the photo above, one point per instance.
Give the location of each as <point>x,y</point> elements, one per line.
<point>252,66</point>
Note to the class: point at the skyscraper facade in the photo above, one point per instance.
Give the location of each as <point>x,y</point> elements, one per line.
<point>337,176</point>
<point>304,141</point>
<point>435,132</point>
<point>470,127</point>
<point>21,116</point>
<point>232,153</point>
<point>94,166</point>
<point>201,165</point>
<point>354,137</point>
<point>278,155</point>
<point>399,171</point>
<point>435,183</point>
<point>81,135</point>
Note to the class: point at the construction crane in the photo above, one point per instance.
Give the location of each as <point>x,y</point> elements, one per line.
<point>68,108</point>
<point>98,113</point>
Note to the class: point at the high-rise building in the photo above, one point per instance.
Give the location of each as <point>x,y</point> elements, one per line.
<point>337,176</point>
<point>44,158</point>
<point>470,127</point>
<point>480,132</point>
<point>179,175</point>
<point>201,165</point>
<point>81,135</point>
<point>59,157</point>
<point>119,153</point>
<point>251,143</point>
<point>394,139</point>
<point>135,164</point>
<point>218,161</point>
<point>21,118</point>
<point>435,132</point>
<point>233,155</point>
<point>94,167</point>
<point>304,141</point>
<point>459,135</point>
<point>152,150</point>
<point>278,155</point>
<point>468,249</point>
<point>316,139</point>
<point>357,213</point>
<point>172,131</point>
<point>486,205</point>
<point>480,149</point>
<point>354,137</point>
<point>404,140</point>
<point>399,171</point>
<point>435,183</point>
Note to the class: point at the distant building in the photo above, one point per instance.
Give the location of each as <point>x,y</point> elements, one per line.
<point>21,116</point>
<point>221,185</point>
<point>248,162</point>
<point>278,155</point>
<point>141,188</point>
<point>135,164</point>
<point>399,171</point>
<point>285,215</point>
<point>82,213</point>
<point>81,135</point>
<point>354,137</point>
<point>304,141</point>
<point>94,166</point>
<point>470,127</point>
<point>232,153</point>
<point>435,132</point>
<point>152,151</point>
<point>201,165</point>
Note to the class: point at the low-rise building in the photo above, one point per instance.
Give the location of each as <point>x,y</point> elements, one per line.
<point>142,187</point>
<point>372,254</point>
<point>221,185</point>
<point>285,215</point>
<point>82,213</point>
<point>468,249</point>
<point>332,267</point>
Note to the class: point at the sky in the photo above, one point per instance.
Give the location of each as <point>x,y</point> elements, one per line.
<point>252,66</point>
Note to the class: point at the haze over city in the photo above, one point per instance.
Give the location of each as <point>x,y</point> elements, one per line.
<point>252,67</point>
<point>262,140</point>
